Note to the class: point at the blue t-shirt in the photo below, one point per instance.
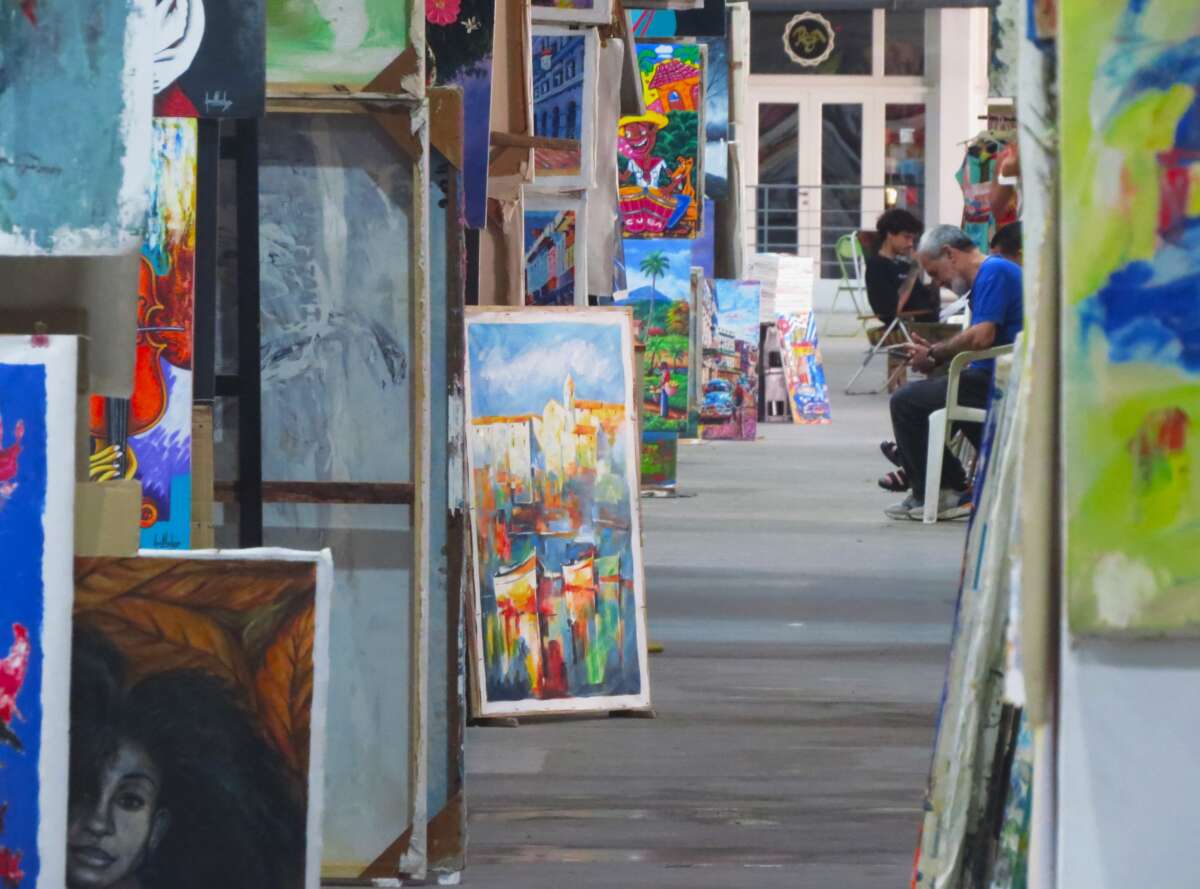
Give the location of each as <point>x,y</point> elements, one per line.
<point>996,297</point>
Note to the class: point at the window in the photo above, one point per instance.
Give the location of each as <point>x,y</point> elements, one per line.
<point>778,217</point>
<point>570,69</point>
<point>572,120</point>
<point>841,179</point>
<point>555,120</point>
<point>850,55</point>
<point>904,158</point>
<point>904,52</point>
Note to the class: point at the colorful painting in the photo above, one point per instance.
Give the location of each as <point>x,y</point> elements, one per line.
<point>209,58</point>
<point>559,608</point>
<point>659,152</point>
<point>1131,327</point>
<point>728,389</point>
<point>79,187</point>
<point>660,460</point>
<point>348,43</point>
<point>459,43</point>
<point>555,271</point>
<point>594,12</point>
<point>37,489</point>
<point>198,692</point>
<point>149,437</point>
<point>803,369</point>
<point>716,120</point>
<point>656,24</point>
<point>564,99</point>
<point>1011,870</point>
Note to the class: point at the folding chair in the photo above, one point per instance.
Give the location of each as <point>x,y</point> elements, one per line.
<point>899,323</point>
<point>853,266</point>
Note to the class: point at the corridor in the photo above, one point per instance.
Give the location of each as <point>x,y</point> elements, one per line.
<point>805,640</point>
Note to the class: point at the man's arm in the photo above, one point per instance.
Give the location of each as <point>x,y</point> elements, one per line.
<point>975,338</point>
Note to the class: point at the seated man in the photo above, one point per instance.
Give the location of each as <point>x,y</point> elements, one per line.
<point>997,315</point>
<point>892,276</point>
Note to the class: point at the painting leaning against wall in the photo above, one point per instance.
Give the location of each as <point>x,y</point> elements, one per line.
<point>729,364</point>
<point>558,607</point>
<point>1131,327</point>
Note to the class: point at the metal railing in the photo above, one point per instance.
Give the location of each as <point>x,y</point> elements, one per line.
<point>808,220</point>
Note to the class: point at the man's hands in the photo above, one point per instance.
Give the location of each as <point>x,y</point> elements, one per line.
<point>919,354</point>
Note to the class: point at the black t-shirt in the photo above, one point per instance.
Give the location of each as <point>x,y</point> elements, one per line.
<point>884,279</point>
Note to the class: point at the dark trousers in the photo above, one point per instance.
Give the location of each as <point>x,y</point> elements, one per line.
<point>911,407</point>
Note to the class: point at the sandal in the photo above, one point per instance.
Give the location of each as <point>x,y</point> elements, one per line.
<point>895,481</point>
<point>891,451</point>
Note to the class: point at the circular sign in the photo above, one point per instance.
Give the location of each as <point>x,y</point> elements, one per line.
<point>808,39</point>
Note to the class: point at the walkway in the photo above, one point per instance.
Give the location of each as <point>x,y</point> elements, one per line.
<point>805,643</point>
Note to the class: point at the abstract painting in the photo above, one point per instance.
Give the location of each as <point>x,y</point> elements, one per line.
<point>198,689</point>
<point>660,157</point>
<point>347,43</point>
<point>37,490</point>
<point>558,605</point>
<point>78,187</point>
<point>149,437</point>
<point>564,101</point>
<point>210,58</point>
<point>555,269</point>
<point>729,364</point>
<point>808,391</point>
<point>593,12</point>
<point>656,24</point>
<point>1131,327</point>
<point>660,460</point>
<point>459,42</point>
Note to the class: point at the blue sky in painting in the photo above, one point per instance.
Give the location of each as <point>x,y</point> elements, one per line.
<point>517,367</point>
<point>682,253</point>
<point>23,397</point>
<point>737,308</point>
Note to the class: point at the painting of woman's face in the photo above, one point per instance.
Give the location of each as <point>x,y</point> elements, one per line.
<point>112,831</point>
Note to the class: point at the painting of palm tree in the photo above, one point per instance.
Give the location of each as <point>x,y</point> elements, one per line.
<point>654,265</point>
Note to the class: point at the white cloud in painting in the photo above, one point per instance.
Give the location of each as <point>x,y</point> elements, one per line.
<point>594,370</point>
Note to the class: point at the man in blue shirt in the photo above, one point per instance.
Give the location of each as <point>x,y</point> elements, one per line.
<point>997,313</point>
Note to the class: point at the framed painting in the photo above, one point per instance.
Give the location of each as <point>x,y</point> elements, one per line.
<point>37,494</point>
<point>660,460</point>
<point>572,12</point>
<point>564,105</point>
<point>728,389</point>
<point>199,688</point>
<point>661,156</point>
<point>555,250</point>
<point>210,58</point>
<point>149,436</point>
<point>558,605</point>
<point>1131,319</point>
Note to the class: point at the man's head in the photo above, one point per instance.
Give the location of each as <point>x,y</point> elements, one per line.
<point>950,257</point>
<point>1007,243</point>
<point>898,230</point>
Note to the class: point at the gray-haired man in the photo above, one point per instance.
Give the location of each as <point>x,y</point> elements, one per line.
<point>953,260</point>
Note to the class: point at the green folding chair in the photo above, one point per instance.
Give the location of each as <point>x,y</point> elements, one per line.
<point>853,284</point>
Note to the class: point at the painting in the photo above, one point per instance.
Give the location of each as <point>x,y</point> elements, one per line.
<point>1131,326</point>
<point>78,188</point>
<point>348,43</point>
<point>459,40</point>
<point>198,689</point>
<point>582,12</point>
<point>559,600</point>
<point>656,24</point>
<point>716,120</point>
<point>660,158</point>
<point>555,271</point>
<point>149,436</point>
<point>37,490</point>
<point>210,58</point>
<point>803,368</point>
<point>660,460</point>
<point>728,387</point>
<point>564,101</point>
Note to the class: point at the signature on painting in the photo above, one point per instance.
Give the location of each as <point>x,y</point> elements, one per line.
<point>218,101</point>
<point>167,540</point>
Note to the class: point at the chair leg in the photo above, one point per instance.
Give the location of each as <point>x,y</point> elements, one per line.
<point>933,464</point>
<point>871,353</point>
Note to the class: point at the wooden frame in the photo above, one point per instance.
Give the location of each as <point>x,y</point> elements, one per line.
<point>600,14</point>
<point>584,178</point>
<point>543,203</point>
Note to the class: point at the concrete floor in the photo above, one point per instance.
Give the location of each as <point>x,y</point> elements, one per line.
<point>805,636</point>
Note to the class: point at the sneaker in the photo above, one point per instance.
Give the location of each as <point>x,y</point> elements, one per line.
<point>954,505</point>
<point>906,509</point>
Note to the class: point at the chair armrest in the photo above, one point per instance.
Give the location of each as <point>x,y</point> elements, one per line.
<point>961,360</point>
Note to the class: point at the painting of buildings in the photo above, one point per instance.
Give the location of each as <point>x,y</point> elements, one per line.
<point>660,155</point>
<point>1131,323</point>
<point>564,87</point>
<point>558,607</point>
<point>803,368</point>
<point>728,383</point>
<point>554,272</point>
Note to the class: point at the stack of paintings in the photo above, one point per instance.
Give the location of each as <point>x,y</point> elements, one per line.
<point>729,331</point>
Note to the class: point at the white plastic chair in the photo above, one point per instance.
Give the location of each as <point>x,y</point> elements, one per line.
<point>942,421</point>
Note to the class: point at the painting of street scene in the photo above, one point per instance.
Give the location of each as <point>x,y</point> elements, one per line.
<point>552,277</point>
<point>729,328</point>
<point>558,603</point>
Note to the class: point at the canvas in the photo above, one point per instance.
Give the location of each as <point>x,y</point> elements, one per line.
<point>716,120</point>
<point>665,23</point>
<point>37,489</point>
<point>660,460</point>
<point>729,363</point>
<point>348,43</point>
<point>199,684</point>
<point>564,103</point>
<point>660,157</point>
<point>210,58</point>
<point>803,368</point>
<point>593,12</point>
<point>555,251</point>
<point>149,437</point>
<point>558,603</point>
<point>459,42</point>
<point>78,187</point>
<point>1131,325</point>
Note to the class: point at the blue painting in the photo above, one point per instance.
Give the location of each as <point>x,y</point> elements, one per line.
<point>75,187</point>
<point>552,277</point>
<point>716,121</point>
<point>657,23</point>
<point>561,105</point>
<point>23,484</point>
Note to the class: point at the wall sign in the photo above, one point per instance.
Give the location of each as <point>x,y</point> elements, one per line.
<point>808,39</point>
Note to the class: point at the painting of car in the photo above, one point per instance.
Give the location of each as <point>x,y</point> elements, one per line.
<point>718,406</point>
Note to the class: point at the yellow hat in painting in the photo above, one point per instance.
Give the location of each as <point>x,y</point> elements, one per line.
<point>651,117</point>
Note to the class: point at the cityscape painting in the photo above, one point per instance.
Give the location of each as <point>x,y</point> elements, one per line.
<point>555,272</point>
<point>558,605</point>
<point>564,94</point>
<point>729,363</point>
